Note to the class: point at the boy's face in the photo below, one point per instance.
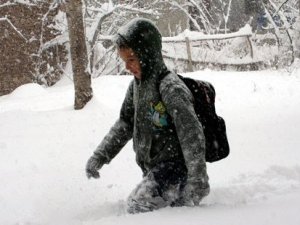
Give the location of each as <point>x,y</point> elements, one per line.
<point>132,62</point>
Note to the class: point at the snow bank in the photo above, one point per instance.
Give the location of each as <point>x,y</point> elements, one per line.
<point>44,145</point>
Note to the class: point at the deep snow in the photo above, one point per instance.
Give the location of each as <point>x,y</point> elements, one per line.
<point>44,145</point>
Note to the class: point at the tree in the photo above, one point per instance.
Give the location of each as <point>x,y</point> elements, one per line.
<point>283,18</point>
<point>199,11</point>
<point>29,51</point>
<point>79,56</point>
<point>105,19</point>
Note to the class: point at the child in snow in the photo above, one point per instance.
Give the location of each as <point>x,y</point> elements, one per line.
<point>158,114</point>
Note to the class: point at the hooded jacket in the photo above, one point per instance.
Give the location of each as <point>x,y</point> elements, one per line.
<point>157,113</point>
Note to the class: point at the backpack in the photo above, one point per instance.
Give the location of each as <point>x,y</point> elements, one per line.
<point>217,146</point>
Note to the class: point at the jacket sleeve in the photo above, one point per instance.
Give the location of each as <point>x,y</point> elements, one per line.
<point>120,133</point>
<point>179,103</point>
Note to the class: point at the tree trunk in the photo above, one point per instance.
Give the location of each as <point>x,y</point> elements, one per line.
<point>79,56</point>
<point>298,29</point>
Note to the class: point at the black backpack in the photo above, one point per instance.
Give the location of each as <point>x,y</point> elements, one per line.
<point>217,146</point>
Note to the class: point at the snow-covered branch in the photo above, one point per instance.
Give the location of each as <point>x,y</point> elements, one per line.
<point>177,5</point>
<point>286,26</point>
<point>59,40</point>
<point>227,15</point>
<point>203,12</point>
<point>13,26</point>
<point>7,4</point>
<point>106,12</point>
<point>125,8</point>
<point>23,2</point>
<point>279,8</point>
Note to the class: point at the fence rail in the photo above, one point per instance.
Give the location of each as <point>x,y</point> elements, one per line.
<point>192,37</point>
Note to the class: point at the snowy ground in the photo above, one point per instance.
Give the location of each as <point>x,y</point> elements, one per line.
<point>44,145</point>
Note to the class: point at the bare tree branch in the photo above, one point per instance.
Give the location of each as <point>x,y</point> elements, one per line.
<point>281,7</point>
<point>5,19</point>
<point>103,17</point>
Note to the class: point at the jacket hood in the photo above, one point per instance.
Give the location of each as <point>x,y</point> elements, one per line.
<point>144,38</point>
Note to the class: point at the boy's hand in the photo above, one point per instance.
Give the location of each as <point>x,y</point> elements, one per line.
<point>93,165</point>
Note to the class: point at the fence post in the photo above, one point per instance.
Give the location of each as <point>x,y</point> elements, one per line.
<point>189,54</point>
<point>250,45</point>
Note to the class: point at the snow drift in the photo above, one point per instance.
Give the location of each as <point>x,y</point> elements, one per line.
<point>44,145</point>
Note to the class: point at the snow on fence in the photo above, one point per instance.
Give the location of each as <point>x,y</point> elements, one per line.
<point>173,48</point>
<point>189,38</point>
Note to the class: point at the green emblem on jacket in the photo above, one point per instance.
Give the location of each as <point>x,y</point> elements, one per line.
<point>159,114</point>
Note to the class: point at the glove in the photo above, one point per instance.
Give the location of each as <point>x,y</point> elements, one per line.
<point>93,165</point>
<point>194,192</point>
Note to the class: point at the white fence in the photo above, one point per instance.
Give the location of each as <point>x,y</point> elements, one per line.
<point>191,51</point>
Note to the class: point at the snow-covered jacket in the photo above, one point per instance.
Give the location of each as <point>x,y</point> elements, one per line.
<point>158,114</point>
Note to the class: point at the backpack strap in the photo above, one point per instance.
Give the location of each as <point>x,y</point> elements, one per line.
<point>163,75</point>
